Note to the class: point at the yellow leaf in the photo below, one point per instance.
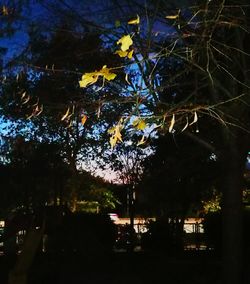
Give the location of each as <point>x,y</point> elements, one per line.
<point>186,125</point>
<point>121,53</point>
<point>172,124</point>
<point>116,134</point>
<point>92,77</point>
<point>113,141</point>
<point>23,95</point>
<point>139,123</point>
<point>173,17</point>
<point>126,78</point>
<point>88,79</point>
<point>98,111</point>
<point>5,11</point>
<point>195,118</point>
<point>105,72</point>
<point>130,54</point>
<point>111,130</point>
<point>40,110</point>
<point>142,141</point>
<point>134,21</point>
<point>84,118</point>
<point>65,115</point>
<point>126,42</point>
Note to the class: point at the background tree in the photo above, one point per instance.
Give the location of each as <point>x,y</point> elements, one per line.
<point>176,177</point>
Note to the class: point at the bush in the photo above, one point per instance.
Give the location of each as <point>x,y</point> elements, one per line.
<point>83,233</point>
<point>213,230</point>
<point>162,236</point>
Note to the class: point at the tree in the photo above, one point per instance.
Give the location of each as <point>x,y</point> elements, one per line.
<point>93,194</point>
<point>38,174</point>
<point>176,176</point>
<point>175,64</point>
<point>199,53</point>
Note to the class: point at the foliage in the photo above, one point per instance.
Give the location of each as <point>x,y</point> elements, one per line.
<point>213,230</point>
<point>83,234</point>
<point>213,204</point>
<point>212,225</point>
<point>168,61</point>
<point>94,194</point>
<point>176,176</point>
<point>37,174</point>
<point>163,236</point>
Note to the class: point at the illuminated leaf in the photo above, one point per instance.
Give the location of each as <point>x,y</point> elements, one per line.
<point>121,53</point>
<point>172,17</point>
<point>186,125</point>
<point>5,11</point>
<point>172,124</point>
<point>84,118</point>
<point>134,21</point>
<point>142,141</point>
<point>39,110</point>
<point>88,79</point>
<point>111,130</point>
<point>126,78</point>
<point>73,111</point>
<point>36,109</point>
<point>195,118</point>
<point>116,134</point>
<point>126,42</point>
<point>99,111</point>
<point>112,141</point>
<point>65,115</point>
<point>105,72</point>
<point>130,54</point>
<point>23,95</point>
<point>26,100</point>
<point>91,78</point>
<point>69,125</point>
<point>139,124</point>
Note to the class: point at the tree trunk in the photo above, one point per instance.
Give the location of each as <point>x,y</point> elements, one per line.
<point>232,213</point>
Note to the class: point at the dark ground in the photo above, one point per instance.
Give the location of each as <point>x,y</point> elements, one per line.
<point>191,267</point>
<point>133,268</point>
